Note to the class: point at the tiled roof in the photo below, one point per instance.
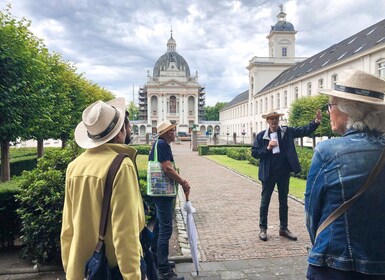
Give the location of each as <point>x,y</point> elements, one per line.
<point>244,96</point>
<point>355,44</point>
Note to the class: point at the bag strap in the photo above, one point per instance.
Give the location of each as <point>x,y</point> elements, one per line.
<point>347,204</point>
<point>114,167</point>
<point>156,151</point>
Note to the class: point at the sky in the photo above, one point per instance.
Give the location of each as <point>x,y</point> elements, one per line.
<point>115,42</point>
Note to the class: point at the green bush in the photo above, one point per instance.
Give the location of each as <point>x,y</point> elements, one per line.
<point>203,150</point>
<point>304,155</point>
<point>238,153</point>
<point>142,149</point>
<point>41,201</point>
<point>23,163</point>
<point>9,220</point>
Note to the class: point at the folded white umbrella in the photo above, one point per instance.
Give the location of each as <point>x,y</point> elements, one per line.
<point>192,234</point>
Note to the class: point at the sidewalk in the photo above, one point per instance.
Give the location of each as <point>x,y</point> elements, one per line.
<point>227,207</point>
<point>227,219</point>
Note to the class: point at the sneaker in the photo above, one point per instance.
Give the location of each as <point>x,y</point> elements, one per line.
<point>168,275</point>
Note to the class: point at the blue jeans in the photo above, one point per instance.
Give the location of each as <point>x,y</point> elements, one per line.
<point>282,182</point>
<point>324,273</point>
<point>162,230</point>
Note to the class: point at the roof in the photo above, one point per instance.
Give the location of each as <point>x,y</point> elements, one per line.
<point>244,96</point>
<point>164,62</point>
<point>355,44</point>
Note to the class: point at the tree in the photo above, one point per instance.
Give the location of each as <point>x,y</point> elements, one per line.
<point>212,113</point>
<point>133,110</point>
<point>304,109</point>
<point>20,78</point>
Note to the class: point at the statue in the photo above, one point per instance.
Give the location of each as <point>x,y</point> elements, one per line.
<point>280,7</point>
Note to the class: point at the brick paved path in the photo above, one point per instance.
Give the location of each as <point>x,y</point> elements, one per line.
<point>227,215</point>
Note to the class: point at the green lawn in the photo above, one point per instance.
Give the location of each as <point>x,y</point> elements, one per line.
<point>297,186</point>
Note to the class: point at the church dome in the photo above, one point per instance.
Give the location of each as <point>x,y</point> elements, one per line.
<point>282,26</point>
<point>170,60</point>
<point>163,63</point>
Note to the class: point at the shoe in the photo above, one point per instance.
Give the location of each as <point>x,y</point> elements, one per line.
<point>263,234</point>
<point>168,275</point>
<point>286,233</point>
<point>171,264</point>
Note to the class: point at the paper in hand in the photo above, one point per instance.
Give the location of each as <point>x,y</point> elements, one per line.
<point>274,136</point>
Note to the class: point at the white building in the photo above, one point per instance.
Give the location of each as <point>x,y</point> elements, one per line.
<point>171,93</point>
<point>277,81</point>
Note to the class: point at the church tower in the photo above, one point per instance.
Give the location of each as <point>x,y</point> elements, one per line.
<point>282,38</point>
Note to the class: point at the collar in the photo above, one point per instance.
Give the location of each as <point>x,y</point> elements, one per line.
<point>283,131</point>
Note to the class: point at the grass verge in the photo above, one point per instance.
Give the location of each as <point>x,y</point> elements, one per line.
<point>297,186</point>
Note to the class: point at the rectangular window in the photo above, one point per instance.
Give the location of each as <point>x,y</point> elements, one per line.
<point>256,107</point>
<point>278,100</point>
<point>296,93</point>
<point>321,83</point>
<point>284,51</point>
<point>308,89</point>
<point>381,69</point>
<point>334,80</point>
<point>285,98</point>
<point>266,101</point>
<point>272,102</point>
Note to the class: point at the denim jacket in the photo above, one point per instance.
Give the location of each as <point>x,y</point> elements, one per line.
<point>356,240</point>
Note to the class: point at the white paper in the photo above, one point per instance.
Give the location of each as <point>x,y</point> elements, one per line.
<point>274,136</point>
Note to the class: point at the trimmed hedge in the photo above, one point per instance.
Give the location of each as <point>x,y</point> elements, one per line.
<point>9,220</point>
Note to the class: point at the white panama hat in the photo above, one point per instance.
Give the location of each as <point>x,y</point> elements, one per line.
<point>101,121</point>
<point>359,86</point>
<point>164,126</point>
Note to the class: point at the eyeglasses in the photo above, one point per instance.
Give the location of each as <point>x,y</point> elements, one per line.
<point>330,105</point>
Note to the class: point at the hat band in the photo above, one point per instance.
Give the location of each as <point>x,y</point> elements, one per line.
<point>359,91</point>
<point>108,129</point>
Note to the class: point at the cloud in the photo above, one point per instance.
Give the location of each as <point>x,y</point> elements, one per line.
<point>115,42</point>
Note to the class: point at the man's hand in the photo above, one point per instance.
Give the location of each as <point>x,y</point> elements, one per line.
<point>272,144</point>
<point>186,187</point>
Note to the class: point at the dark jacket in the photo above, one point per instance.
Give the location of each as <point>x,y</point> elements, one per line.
<point>260,151</point>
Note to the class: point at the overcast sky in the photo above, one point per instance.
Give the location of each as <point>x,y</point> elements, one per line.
<point>115,42</point>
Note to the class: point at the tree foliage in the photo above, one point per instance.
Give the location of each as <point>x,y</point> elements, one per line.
<point>42,96</point>
<point>303,110</point>
<point>212,113</point>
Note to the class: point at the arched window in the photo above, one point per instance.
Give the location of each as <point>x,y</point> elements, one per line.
<point>173,104</point>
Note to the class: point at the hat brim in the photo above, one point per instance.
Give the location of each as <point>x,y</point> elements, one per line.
<point>351,96</point>
<point>272,115</point>
<point>166,129</point>
<point>81,135</point>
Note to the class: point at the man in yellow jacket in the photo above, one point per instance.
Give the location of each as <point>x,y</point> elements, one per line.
<point>102,133</point>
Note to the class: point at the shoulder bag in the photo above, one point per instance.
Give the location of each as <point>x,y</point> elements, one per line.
<point>158,184</point>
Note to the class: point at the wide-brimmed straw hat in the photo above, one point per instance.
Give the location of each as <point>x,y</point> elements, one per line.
<point>101,121</point>
<point>359,86</point>
<point>272,114</point>
<point>164,126</point>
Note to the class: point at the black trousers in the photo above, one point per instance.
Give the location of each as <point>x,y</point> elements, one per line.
<point>282,182</point>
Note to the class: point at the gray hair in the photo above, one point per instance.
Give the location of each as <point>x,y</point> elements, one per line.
<point>362,116</point>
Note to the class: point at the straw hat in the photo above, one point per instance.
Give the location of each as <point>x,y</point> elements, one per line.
<point>101,121</point>
<point>164,126</point>
<point>272,114</point>
<point>359,86</point>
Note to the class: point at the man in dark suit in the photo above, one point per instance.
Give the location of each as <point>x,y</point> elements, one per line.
<point>275,149</point>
